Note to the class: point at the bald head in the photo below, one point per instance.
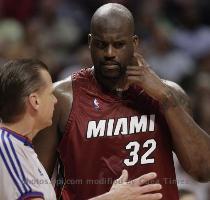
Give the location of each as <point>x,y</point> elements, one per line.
<point>112,16</point>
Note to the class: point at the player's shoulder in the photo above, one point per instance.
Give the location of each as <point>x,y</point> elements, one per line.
<point>175,87</point>
<point>182,96</point>
<point>63,87</point>
<point>64,94</point>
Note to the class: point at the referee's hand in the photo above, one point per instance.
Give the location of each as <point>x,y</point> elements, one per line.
<point>137,189</point>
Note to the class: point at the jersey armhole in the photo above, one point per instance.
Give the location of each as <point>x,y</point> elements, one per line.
<point>71,113</point>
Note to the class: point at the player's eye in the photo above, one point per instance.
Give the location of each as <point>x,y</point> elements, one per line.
<point>119,45</point>
<point>100,44</point>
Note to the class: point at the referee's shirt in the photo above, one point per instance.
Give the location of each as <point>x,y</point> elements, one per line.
<point>22,176</point>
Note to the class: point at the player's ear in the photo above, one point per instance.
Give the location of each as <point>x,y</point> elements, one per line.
<point>135,42</point>
<point>33,100</point>
<point>89,39</point>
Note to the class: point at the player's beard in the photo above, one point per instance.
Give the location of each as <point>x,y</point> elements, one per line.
<point>110,81</point>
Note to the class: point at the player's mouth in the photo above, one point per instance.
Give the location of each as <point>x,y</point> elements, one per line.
<point>111,69</point>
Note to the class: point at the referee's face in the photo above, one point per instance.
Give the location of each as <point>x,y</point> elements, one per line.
<point>47,101</point>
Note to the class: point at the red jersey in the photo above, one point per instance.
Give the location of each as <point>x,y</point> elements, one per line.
<point>107,133</point>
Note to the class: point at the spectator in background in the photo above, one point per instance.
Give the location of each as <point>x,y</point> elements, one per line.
<point>191,35</point>
<point>53,35</point>
<point>21,10</point>
<point>81,58</point>
<point>168,62</point>
<point>201,91</point>
<point>11,38</point>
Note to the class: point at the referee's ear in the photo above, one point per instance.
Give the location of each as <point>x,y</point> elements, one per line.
<point>33,101</point>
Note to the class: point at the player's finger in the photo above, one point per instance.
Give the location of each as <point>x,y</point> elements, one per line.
<point>139,68</point>
<point>134,73</point>
<point>134,61</point>
<point>140,60</point>
<point>150,188</point>
<point>133,67</point>
<point>144,178</point>
<point>133,79</point>
<point>136,70</point>
<point>155,196</point>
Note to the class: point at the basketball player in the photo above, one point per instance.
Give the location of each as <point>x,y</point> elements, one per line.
<point>120,114</point>
<point>26,106</point>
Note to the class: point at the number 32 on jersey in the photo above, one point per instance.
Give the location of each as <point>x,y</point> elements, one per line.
<point>134,149</point>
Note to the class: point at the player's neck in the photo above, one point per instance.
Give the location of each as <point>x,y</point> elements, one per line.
<point>110,85</point>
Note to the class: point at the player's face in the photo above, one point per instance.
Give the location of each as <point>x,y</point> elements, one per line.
<point>47,101</point>
<point>112,49</point>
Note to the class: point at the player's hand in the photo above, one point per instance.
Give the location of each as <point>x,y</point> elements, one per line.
<point>136,189</point>
<point>141,74</point>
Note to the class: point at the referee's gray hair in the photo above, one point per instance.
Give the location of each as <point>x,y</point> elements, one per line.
<point>18,79</point>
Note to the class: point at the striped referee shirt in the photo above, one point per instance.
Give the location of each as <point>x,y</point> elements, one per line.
<point>22,176</point>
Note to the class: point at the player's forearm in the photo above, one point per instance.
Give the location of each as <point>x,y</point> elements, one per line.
<point>191,143</point>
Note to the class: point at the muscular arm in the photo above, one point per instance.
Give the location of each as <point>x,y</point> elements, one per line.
<point>191,143</point>
<point>46,142</point>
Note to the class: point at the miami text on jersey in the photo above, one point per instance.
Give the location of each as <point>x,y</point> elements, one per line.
<point>123,126</point>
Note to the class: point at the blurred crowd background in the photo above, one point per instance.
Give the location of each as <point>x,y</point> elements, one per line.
<point>174,39</point>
